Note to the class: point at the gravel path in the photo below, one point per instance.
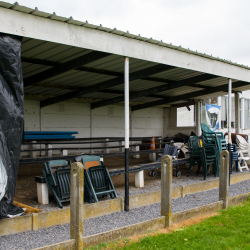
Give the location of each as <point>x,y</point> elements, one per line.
<point>43,237</point>
<point>150,186</point>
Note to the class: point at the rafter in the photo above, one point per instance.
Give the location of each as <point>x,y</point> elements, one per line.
<point>66,87</point>
<point>154,90</point>
<point>64,67</point>
<point>189,95</point>
<point>183,104</point>
<point>107,84</point>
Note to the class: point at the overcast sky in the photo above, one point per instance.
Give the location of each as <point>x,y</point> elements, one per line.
<point>217,27</point>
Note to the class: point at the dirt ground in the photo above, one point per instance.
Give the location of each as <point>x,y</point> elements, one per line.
<point>26,187</point>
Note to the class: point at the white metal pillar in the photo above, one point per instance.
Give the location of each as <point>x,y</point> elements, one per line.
<point>219,115</point>
<point>237,112</point>
<point>229,110</point>
<point>242,113</point>
<point>198,117</point>
<point>126,104</point>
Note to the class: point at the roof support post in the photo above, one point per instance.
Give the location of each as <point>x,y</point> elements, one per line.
<point>229,111</point>
<point>198,117</point>
<point>126,100</point>
<point>242,122</point>
<point>237,112</point>
<point>219,115</point>
<point>229,126</point>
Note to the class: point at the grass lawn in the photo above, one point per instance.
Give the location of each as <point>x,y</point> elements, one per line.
<point>228,230</point>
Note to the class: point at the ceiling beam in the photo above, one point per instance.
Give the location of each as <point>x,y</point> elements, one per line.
<point>183,104</point>
<point>64,67</point>
<point>189,95</point>
<point>154,90</point>
<point>81,68</point>
<point>98,71</point>
<point>66,87</point>
<point>106,84</point>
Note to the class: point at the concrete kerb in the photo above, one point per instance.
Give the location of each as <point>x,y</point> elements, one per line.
<point>150,225</point>
<point>139,228</point>
<point>65,245</point>
<point>62,216</point>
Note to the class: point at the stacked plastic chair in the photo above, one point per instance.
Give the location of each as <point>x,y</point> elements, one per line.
<point>220,139</point>
<point>195,154</point>
<point>243,152</point>
<point>213,143</point>
<point>210,155</point>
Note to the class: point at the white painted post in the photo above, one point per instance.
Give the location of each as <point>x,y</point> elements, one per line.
<point>198,118</point>
<point>237,112</point>
<point>121,143</point>
<point>63,152</point>
<point>33,153</point>
<point>229,111</point>
<point>139,179</point>
<point>42,193</point>
<point>106,145</point>
<point>219,116</point>
<point>126,100</point>
<point>152,157</point>
<point>48,153</point>
<point>242,113</point>
<point>136,148</point>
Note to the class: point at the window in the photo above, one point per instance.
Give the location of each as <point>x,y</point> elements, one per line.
<point>247,113</point>
<point>186,117</point>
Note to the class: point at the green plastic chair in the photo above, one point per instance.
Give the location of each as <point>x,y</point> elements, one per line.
<point>57,176</point>
<point>195,152</point>
<point>99,176</point>
<point>219,136</point>
<point>211,154</point>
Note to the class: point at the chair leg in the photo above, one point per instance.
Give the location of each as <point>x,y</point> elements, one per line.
<point>190,167</point>
<point>237,165</point>
<point>198,170</point>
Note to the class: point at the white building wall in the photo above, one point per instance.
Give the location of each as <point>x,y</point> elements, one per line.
<point>106,121</point>
<point>31,115</point>
<point>147,122</point>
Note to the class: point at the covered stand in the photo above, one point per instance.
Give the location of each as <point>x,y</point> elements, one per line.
<point>11,120</point>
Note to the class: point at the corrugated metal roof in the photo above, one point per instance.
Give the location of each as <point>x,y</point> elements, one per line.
<point>70,20</point>
<point>46,54</point>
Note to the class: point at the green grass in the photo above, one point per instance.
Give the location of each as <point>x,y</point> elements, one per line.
<point>228,230</point>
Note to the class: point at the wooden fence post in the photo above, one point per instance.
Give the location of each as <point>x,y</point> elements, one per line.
<point>76,204</point>
<point>224,178</point>
<point>166,189</point>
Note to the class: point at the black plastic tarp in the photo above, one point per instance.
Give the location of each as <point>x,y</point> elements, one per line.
<point>11,116</point>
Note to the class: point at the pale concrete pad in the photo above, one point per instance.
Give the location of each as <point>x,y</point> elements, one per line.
<point>139,179</point>
<point>42,193</point>
<point>63,152</point>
